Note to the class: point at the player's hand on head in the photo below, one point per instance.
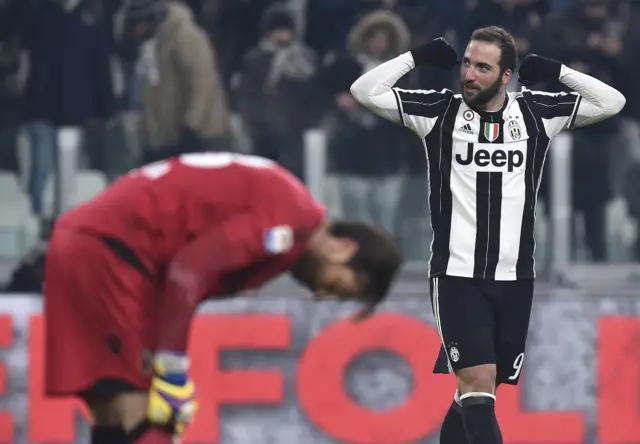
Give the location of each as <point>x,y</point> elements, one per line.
<point>535,69</point>
<point>172,397</point>
<point>438,52</point>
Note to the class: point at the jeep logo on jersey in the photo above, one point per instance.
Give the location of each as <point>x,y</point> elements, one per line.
<point>492,159</point>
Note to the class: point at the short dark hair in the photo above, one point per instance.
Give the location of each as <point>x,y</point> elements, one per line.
<point>504,40</point>
<point>377,260</point>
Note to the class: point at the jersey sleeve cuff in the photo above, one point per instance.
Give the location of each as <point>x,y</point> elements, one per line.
<point>574,114</point>
<point>399,104</point>
<point>408,58</point>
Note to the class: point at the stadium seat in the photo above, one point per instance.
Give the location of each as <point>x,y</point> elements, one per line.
<point>19,231</point>
<point>12,194</point>
<point>88,184</point>
<point>620,230</point>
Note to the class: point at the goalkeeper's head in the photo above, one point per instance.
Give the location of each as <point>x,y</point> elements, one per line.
<point>350,261</point>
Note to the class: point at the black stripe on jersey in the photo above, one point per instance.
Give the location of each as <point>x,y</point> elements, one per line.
<point>552,106</point>
<point>575,113</point>
<point>424,104</point>
<point>489,211</point>
<point>495,214</point>
<point>439,144</point>
<point>399,105</point>
<point>488,207</point>
<point>537,146</point>
<point>483,204</point>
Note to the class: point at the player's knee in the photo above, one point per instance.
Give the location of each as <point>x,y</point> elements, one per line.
<point>104,413</point>
<point>478,379</point>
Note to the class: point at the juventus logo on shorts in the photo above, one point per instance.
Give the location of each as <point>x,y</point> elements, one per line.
<point>454,354</point>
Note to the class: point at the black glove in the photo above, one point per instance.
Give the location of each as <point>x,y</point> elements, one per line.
<point>535,69</point>
<point>437,52</point>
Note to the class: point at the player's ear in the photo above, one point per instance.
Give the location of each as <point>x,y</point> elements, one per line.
<point>342,249</point>
<point>506,76</point>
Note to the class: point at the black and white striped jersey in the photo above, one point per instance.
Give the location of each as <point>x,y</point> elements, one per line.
<point>484,169</point>
<point>484,173</point>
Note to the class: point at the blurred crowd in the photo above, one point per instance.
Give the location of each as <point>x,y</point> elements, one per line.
<point>142,80</point>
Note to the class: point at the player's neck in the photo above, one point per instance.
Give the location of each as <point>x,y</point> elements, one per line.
<point>494,105</point>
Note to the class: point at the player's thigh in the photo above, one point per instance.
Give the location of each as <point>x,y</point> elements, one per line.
<point>465,322</point>
<point>513,317</point>
<point>103,412</point>
<point>85,339</point>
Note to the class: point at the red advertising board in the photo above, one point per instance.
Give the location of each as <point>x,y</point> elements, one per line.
<point>319,383</point>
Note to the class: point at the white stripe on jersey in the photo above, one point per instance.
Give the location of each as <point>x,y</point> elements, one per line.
<point>462,242</point>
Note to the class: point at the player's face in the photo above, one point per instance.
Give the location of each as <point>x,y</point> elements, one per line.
<point>379,43</point>
<point>282,36</point>
<point>142,30</point>
<point>325,271</point>
<point>338,281</point>
<point>480,76</point>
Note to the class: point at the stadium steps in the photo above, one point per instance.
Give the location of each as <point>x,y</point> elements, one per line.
<point>88,184</point>
<point>19,227</point>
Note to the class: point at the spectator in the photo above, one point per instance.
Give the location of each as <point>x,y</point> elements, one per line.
<point>366,151</point>
<point>10,96</point>
<point>234,28</point>
<point>328,23</point>
<point>184,104</point>
<point>631,126</point>
<point>69,79</point>
<point>276,91</point>
<point>591,44</point>
<point>428,19</point>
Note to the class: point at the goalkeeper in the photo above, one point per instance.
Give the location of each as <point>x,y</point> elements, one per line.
<point>125,274</point>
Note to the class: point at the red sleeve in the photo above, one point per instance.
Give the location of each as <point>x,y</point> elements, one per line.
<point>198,267</point>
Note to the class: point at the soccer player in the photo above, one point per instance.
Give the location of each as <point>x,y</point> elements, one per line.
<point>485,149</point>
<point>126,271</point>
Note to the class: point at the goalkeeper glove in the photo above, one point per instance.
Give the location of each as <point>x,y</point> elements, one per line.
<point>535,69</point>
<point>437,52</point>
<point>172,401</point>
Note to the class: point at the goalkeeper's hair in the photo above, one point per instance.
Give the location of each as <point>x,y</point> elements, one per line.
<point>377,261</point>
<point>504,40</point>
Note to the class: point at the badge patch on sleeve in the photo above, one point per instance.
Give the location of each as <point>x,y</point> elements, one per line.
<point>278,240</point>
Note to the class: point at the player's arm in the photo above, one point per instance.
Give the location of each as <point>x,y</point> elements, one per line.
<point>596,101</point>
<point>193,272</point>
<point>197,269</point>
<point>592,101</point>
<point>375,89</point>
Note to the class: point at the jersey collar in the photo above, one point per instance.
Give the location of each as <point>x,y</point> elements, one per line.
<point>492,116</point>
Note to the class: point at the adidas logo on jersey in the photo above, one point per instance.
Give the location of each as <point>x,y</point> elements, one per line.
<point>466,129</point>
